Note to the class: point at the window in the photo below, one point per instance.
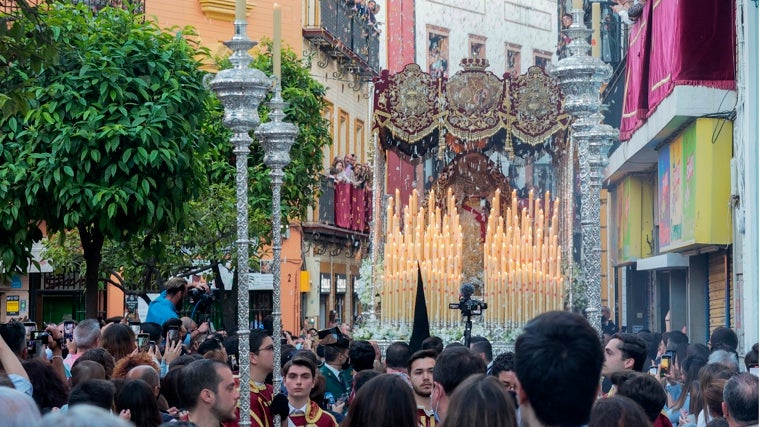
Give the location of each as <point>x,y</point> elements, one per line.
<point>477,48</point>
<point>438,51</point>
<point>329,152</point>
<point>360,141</point>
<point>343,133</point>
<point>541,58</point>
<point>513,65</point>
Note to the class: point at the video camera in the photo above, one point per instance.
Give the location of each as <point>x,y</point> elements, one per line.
<point>201,301</point>
<point>467,305</point>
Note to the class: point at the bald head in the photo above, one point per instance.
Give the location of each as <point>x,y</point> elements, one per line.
<point>148,374</point>
<point>87,370</point>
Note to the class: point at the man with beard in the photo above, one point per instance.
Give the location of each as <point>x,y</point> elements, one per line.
<point>208,389</point>
<point>261,357</point>
<point>421,366</point>
<point>165,306</point>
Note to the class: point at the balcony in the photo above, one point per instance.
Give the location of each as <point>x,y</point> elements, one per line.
<point>343,34</point>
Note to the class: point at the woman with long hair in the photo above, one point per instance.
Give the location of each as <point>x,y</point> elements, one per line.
<point>482,401</point>
<point>137,398</point>
<point>689,366</point>
<point>49,390</point>
<point>385,401</point>
<point>118,339</point>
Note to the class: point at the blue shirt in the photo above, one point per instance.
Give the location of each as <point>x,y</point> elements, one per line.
<point>160,310</point>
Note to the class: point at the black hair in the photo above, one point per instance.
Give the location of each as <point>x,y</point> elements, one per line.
<point>454,365</point>
<point>645,390</point>
<point>397,355</point>
<point>14,334</point>
<point>153,329</point>
<point>558,361</point>
<point>433,343</point>
<point>362,355</point>
<point>421,354</point>
<point>724,338</point>
<point>504,362</point>
<point>632,347</point>
<point>257,338</point>
<point>98,393</point>
<point>482,345</point>
<point>137,396</point>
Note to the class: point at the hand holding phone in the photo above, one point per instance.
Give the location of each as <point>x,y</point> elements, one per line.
<point>172,335</point>
<point>142,341</point>
<point>665,363</point>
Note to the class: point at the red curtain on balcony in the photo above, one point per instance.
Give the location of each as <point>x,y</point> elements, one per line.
<point>343,205</point>
<point>357,208</point>
<point>692,43</point>
<point>635,104</point>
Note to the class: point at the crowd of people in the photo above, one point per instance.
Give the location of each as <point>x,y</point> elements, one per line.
<point>560,373</point>
<point>348,170</point>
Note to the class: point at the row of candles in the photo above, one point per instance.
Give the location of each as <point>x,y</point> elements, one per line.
<point>522,260</point>
<point>434,240</point>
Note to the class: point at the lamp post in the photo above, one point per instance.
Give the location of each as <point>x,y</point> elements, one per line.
<point>240,90</point>
<point>276,136</point>
<point>581,76</point>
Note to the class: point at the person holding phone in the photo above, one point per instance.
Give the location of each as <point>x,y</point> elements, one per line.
<point>12,350</point>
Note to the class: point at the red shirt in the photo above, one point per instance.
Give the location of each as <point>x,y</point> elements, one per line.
<point>261,399</point>
<point>314,417</point>
<point>425,419</point>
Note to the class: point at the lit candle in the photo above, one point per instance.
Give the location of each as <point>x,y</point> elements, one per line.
<point>276,49</point>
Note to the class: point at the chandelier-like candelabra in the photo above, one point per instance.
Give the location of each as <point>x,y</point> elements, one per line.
<point>581,76</point>
<point>276,136</point>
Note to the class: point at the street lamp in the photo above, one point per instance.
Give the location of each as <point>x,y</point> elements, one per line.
<point>240,90</point>
<point>581,76</point>
<point>276,136</point>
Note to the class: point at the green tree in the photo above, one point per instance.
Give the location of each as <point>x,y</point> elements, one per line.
<point>209,231</point>
<point>111,144</point>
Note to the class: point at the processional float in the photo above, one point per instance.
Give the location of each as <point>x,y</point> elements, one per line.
<point>474,222</point>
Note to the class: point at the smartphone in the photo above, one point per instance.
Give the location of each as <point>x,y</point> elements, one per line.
<point>665,364</point>
<point>135,326</point>
<point>30,327</point>
<point>68,330</point>
<point>653,370</point>
<point>40,336</point>
<point>152,345</point>
<point>172,335</point>
<point>143,341</point>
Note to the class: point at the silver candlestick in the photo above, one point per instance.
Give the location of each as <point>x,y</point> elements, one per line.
<point>276,136</point>
<point>581,76</point>
<point>240,90</point>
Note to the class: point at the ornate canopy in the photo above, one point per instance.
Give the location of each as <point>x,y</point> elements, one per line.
<point>472,110</point>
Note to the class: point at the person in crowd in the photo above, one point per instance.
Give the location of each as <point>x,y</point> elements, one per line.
<point>480,401</point>
<point>261,359</point>
<point>149,375</point>
<point>618,411</point>
<point>17,408</point>
<point>623,351</point>
<point>723,338</point>
<point>433,343</point>
<point>141,358</point>
<point>504,371</point>
<point>299,379</point>
<point>397,359</point>
<point>452,367</point>
<point>608,326</point>
<point>718,422</point>
<point>98,393</point>
<point>707,375</point>
<point>645,390</point>
<point>213,348</point>
<point>725,358</point>
<point>86,336</point>
<point>119,340</point>
<point>362,355</point>
<point>12,351</point>
<point>558,362</point>
<point>751,359</point>
<point>166,305</point>
<point>713,397</point>
<point>421,366</point>
<point>49,389</point>
<point>740,400</point>
<point>208,390</point>
<point>138,402</point>
<point>83,416</point>
<point>100,356</point>
<point>360,379</point>
<point>688,369</point>
<point>337,371</point>
<point>86,370</point>
<point>482,347</point>
<point>384,401</point>
<point>653,340</point>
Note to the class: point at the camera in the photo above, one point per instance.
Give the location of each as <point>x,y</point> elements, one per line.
<point>202,300</point>
<point>467,305</point>
<point>40,336</point>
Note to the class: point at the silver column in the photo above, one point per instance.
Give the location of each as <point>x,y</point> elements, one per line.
<point>581,76</point>
<point>276,136</point>
<point>240,90</point>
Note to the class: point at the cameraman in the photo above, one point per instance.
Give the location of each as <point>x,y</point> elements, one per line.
<point>168,304</point>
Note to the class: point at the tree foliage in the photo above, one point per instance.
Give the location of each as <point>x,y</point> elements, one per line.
<point>110,146</point>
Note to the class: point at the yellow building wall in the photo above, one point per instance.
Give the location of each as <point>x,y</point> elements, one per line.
<point>213,29</point>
